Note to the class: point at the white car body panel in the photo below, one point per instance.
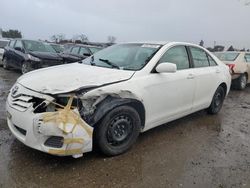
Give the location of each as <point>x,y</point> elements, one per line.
<point>165,96</point>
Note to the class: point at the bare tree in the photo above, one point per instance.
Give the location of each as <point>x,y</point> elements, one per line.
<point>57,38</point>
<point>201,43</point>
<point>83,38</point>
<point>111,39</point>
<point>53,38</point>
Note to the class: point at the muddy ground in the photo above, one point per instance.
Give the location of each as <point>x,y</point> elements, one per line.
<point>196,151</point>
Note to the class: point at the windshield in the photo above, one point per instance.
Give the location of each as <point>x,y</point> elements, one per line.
<point>38,46</point>
<point>124,56</point>
<point>227,56</point>
<point>3,44</point>
<point>94,49</point>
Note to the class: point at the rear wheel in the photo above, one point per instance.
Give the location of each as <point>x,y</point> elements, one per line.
<point>217,101</point>
<point>241,82</point>
<point>118,130</point>
<point>26,67</point>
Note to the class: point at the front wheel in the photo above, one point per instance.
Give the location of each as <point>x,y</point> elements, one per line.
<point>26,67</point>
<point>118,130</point>
<point>5,63</point>
<point>217,101</point>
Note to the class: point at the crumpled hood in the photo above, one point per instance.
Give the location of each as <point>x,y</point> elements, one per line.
<point>46,55</point>
<point>70,77</point>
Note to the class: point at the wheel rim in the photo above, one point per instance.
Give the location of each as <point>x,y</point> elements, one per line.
<point>243,81</point>
<point>218,99</point>
<point>119,130</point>
<point>4,63</point>
<point>24,68</point>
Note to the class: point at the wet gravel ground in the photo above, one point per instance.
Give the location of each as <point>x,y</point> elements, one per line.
<point>196,151</point>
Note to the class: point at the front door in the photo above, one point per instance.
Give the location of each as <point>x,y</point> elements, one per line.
<point>170,95</point>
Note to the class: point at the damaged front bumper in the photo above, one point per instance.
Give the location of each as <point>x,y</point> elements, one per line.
<point>61,132</point>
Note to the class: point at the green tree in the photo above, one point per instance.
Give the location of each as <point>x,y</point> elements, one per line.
<point>12,33</point>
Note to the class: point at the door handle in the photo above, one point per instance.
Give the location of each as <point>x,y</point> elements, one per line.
<point>190,76</point>
<point>217,71</point>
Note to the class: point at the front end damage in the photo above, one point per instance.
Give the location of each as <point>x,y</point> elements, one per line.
<point>62,124</point>
<point>41,123</point>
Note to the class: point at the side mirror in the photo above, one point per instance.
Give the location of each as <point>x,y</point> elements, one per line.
<point>18,49</point>
<point>86,54</point>
<point>166,67</point>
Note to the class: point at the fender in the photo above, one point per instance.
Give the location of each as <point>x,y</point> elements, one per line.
<point>110,103</point>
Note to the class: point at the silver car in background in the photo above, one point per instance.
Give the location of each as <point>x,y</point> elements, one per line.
<point>3,43</point>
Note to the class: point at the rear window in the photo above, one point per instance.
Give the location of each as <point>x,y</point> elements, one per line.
<point>3,44</point>
<point>227,56</point>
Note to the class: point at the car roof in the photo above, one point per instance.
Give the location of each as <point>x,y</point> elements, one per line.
<point>4,39</point>
<point>85,45</point>
<point>148,42</point>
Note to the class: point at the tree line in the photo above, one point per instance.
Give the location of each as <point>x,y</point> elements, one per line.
<point>220,48</point>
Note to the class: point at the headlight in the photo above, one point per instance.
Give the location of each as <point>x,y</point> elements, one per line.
<point>32,58</point>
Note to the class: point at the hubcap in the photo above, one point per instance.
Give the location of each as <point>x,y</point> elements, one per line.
<point>24,68</point>
<point>119,130</point>
<point>218,99</point>
<point>4,63</point>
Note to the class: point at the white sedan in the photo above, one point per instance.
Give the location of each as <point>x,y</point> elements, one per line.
<point>113,96</point>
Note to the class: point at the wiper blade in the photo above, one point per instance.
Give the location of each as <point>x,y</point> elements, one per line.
<point>109,63</point>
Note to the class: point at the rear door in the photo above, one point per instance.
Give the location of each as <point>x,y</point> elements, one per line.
<point>207,76</point>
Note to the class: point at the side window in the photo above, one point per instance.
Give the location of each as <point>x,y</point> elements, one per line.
<point>83,51</point>
<point>12,43</point>
<point>19,44</point>
<point>199,57</point>
<point>75,50</point>
<point>247,58</point>
<point>177,55</point>
<point>211,61</point>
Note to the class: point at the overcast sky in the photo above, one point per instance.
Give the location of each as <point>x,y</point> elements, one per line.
<point>224,21</point>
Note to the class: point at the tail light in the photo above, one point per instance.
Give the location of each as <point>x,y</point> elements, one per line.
<point>231,67</point>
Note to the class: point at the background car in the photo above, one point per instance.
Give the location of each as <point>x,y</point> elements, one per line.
<point>239,64</point>
<point>114,95</point>
<point>57,47</point>
<point>3,43</point>
<point>27,55</point>
<point>78,52</point>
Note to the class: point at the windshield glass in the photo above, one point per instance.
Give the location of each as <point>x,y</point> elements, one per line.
<point>124,56</point>
<point>94,49</point>
<point>38,46</point>
<point>227,56</point>
<point>3,44</point>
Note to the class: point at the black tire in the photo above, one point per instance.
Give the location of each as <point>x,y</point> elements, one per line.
<point>26,67</point>
<point>217,101</point>
<point>5,64</point>
<point>118,130</point>
<point>241,82</point>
